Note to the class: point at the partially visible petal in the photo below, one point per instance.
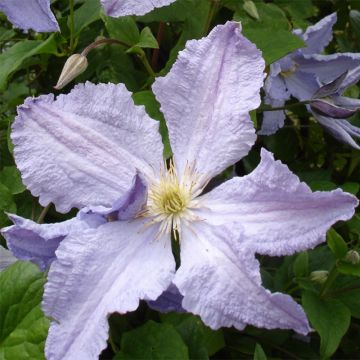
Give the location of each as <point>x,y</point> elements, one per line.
<point>206,98</point>
<point>347,102</point>
<point>6,258</point>
<point>331,88</point>
<point>29,240</point>
<point>169,300</point>
<point>116,8</point>
<point>302,85</point>
<point>30,14</point>
<point>352,78</point>
<point>340,129</point>
<point>279,214</point>
<point>328,67</point>
<point>128,205</point>
<point>275,87</point>
<point>319,35</point>
<point>98,272</point>
<point>327,108</point>
<point>89,145</point>
<point>220,281</point>
<point>272,120</point>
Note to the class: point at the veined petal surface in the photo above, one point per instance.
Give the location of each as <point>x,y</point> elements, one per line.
<point>206,98</point>
<point>116,8</point>
<point>99,272</point>
<point>89,145</point>
<point>340,129</point>
<point>279,214</point>
<point>219,278</point>
<point>302,85</point>
<point>35,242</point>
<point>318,36</point>
<point>328,67</point>
<point>30,14</point>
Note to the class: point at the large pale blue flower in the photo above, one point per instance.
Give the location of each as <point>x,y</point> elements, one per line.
<point>95,150</point>
<point>303,72</point>
<point>37,15</point>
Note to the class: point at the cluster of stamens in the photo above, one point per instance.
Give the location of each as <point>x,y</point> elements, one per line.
<point>171,199</point>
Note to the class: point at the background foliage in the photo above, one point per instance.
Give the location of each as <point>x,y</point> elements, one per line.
<point>30,65</point>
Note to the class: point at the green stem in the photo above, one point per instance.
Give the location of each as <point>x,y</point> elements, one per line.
<point>72,26</point>
<point>212,11</point>
<point>330,280</point>
<point>270,108</point>
<point>100,42</point>
<point>44,211</point>
<point>145,62</point>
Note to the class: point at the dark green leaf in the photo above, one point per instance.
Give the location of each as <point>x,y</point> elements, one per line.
<point>301,264</point>
<point>12,58</point>
<point>348,268</point>
<point>147,39</point>
<point>123,29</point>
<point>153,341</point>
<point>336,243</point>
<point>86,14</point>
<point>23,326</point>
<point>330,318</point>
<point>259,353</point>
<point>10,177</point>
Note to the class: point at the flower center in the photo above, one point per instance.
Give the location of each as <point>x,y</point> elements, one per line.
<point>171,200</point>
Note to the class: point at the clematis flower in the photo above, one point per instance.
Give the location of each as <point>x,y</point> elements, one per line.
<point>303,72</point>
<point>37,15</point>
<point>97,151</point>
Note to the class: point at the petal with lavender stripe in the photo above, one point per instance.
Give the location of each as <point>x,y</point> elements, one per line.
<point>318,36</point>
<point>219,278</point>
<point>328,67</point>
<point>340,129</point>
<point>30,14</point>
<point>206,98</point>
<point>98,272</point>
<point>279,214</point>
<point>116,8</point>
<point>90,143</point>
<point>29,240</point>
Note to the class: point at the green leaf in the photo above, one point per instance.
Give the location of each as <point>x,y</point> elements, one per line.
<point>23,326</point>
<point>348,292</point>
<point>322,185</point>
<point>123,28</point>
<point>274,43</point>
<point>152,107</point>
<point>297,10</point>
<point>85,15</point>
<point>11,178</point>
<point>354,16</point>
<point>301,264</point>
<point>259,353</point>
<point>331,319</point>
<point>12,59</point>
<point>351,187</point>
<point>336,243</point>
<point>152,341</point>
<point>348,268</point>
<point>7,204</point>
<point>201,341</point>
<point>147,39</point>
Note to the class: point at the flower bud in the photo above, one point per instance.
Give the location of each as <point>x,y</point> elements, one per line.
<point>319,276</point>
<point>352,257</point>
<point>75,65</point>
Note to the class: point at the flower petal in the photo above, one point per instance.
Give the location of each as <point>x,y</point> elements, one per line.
<point>6,258</point>
<point>318,36</point>
<point>328,108</point>
<point>29,240</point>
<point>302,85</point>
<point>89,143</point>
<point>340,129</point>
<point>272,120</point>
<point>220,281</point>
<point>328,67</point>
<point>169,300</point>
<point>98,272</point>
<point>206,98</point>
<point>279,214</point>
<point>30,14</point>
<point>118,8</point>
